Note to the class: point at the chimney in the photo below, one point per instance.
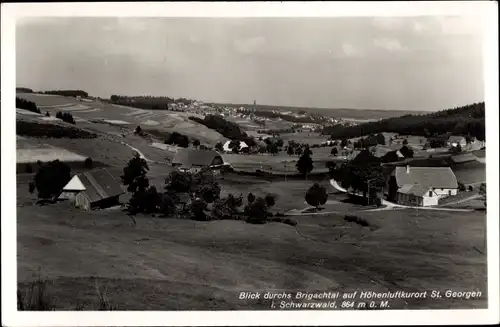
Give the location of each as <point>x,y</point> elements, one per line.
<point>407,169</point>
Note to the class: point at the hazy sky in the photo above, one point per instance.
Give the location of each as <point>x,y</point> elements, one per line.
<point>421,63</point>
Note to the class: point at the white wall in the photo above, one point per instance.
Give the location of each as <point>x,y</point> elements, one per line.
<point>444,192</point>
<point>430,201</point>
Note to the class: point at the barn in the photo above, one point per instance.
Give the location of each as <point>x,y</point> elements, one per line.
<point>193,160</point>
<point>93,189</point>
<point>410,184</point>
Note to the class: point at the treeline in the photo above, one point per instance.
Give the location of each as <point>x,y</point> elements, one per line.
<point>23,90</point>
<point>67,93</point>
<point>148,102</point>
<point>27,105</point>
<point>38,129</point>
<point>66,117</point>
<point>226,128</point>
<point>466,120</point>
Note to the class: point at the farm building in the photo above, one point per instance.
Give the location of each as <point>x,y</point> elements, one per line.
<point>456,141</point>
<point>192,160</point>
<point>93,189</point>
<point>416,195</point>
<point>227,147</point>
<point>431,182</point>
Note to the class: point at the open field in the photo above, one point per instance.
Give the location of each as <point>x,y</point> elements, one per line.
<point>169,264</point>
<point>472,172</point>
<point>305,137</point>
<point>127,117</point>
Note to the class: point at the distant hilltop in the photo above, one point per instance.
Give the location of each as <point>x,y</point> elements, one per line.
<point>358,114</point>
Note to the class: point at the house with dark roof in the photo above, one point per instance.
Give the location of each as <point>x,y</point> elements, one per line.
<point>420,184</point>
<point>192,160</point>
<point>93,189</point>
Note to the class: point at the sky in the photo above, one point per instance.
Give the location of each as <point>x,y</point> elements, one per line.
<point>411,63</point>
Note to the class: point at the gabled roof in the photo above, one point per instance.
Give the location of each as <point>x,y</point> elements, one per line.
<point>415,189</point>
<point>98,184</point>
<point>227,148</point>
<point>427,177</point>
<point>192,157</point>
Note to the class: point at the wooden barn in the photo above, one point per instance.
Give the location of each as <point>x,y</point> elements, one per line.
<point>93,189</point>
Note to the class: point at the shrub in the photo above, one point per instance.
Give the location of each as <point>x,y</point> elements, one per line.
<point>270,200</point>
<point>250,198</point>
<point>357,220</point>
<point>47,114</point>
<point>257,211</point>
<point>36,298</point>
<point>88,163</point>
<point>470,188</point>
<point>198,208</point>
<point>461,187</point>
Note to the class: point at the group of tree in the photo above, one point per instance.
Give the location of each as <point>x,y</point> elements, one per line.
<point>362,174</point>
<point>178,139</point>
<point>189,194</point>
<point>371,140</point>
<point>23,90</point>
<point>148,102</point>
<point>50,179</point>
<point>66,117</point>
<point>295,148</point>
<point>226,128</point>
<point>68,93</point>
<point>27,105</point>
<point>465,120</point>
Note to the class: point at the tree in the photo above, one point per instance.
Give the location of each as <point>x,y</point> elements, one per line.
<point>456,149</point>
<point>250,198</point>
<point>405,142</point>
<point>272,148</point>
<point>51,178</point>
<point>31,187</point>
<point>343,143</point>
<point>235,150</point>
<point>305,163</point>
<point>138,130</point>
<point>196,143</point>
<point>381,139</point>
<point>167,203</point>
<point>205,186</point>
<point>316,195</point>
<point>219,146</point>
<point>406,151</point>
<point>88,163</point>
<point>279,142</point>
<point>134,174</point>
<point>334,151</point>
<point>482,192</point>
<point>178,182</point>
<point>298,151</point>
<point>47,114</point>
<point>290,150</point>
<point>270,200</point>
<point>461,187</point>
<point>391,156</point>
<point>262,149</point>
<point>198,207</point>
<point>257,211</point>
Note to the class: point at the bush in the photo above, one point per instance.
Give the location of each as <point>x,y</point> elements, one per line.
<point>357,220</point>
<point>270,200</point>
<point>257,211</point>
<point>198,208</point>
<point>470,188</point>
<point>461,187</point>
<point>250,198</point>
<point>47,114</point>
<point>88,163</point>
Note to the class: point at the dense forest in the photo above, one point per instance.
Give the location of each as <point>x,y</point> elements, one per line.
<point>68,93</point>
<point>228,129</point>
<point>23,90</point>
<point>148,102</point>
<point>27,105</point>
<point>466,120</point>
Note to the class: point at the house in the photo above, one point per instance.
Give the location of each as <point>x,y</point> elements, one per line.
<point>227,148</point>
<point>192,160</point>
<point>417,195</point>
<point>93,189</point>
<point>454,141</point>
<point>431,182</point>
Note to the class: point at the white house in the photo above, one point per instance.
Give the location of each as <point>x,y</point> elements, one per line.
<point>227,148</point>
<point>420,184</point>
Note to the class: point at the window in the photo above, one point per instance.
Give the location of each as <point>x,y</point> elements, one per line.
<point>449,192</point>
<point>430,194</point>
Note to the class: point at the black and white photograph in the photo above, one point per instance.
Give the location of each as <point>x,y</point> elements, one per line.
<point>268,163</point>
